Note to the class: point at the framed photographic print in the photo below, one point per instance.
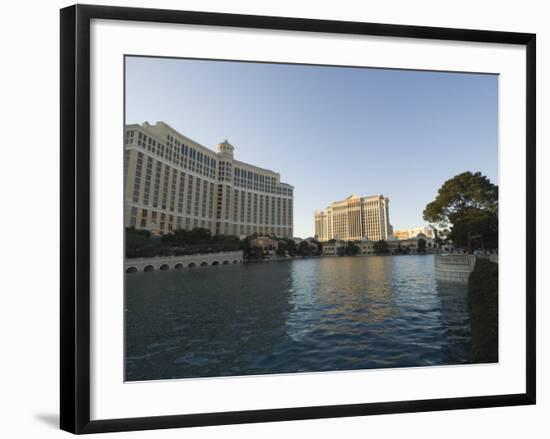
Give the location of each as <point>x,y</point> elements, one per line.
<point>268,218</point>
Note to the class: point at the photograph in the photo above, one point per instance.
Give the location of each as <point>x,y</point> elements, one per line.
<point>295,218</point>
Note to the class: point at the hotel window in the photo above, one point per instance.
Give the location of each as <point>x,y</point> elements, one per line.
<point>143,217</point>
<point>204,197</point>
<point>137,180</point>
<point>165,186</point>
<point>290,212</point>
<point>189,194</point>
<point>173,190</point>
<point>242,206</point>
<point>211,200</point>
<point>227,201</point>
<point>261,209</point>
<point>181,192</point>
<point>157,184</point>
<point>273,210</point>
<point>197,196</point>
<point>236,205</point>
<point>126,162</point>
<point>147,187</point>
<point>133,215</point>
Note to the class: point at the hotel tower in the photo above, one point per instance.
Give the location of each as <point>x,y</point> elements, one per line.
<point>354,219</point>
<point>172,182</point>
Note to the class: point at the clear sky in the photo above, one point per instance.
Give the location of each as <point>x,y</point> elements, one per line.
<point>329,131</point>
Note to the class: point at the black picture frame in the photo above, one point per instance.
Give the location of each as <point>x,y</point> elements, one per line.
<point>75,217</point>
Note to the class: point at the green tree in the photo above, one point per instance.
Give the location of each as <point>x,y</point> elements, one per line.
<point>257,252</point>
<point>139,243</point>
<point>476,229</point>
<point>281,248</point>
<point>245,247</point>
<point>304,248</point>
<point>352,249</point>
<point>319,247</point>
<point>466,205</point>
<point>290,247</point>
<point>421,246</point>
<point>381,247</point>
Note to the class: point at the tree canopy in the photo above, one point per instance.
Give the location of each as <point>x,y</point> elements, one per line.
<point>466,205</point>
<point>352,249</point>
<point>381,247</point>
<point>421,245</point>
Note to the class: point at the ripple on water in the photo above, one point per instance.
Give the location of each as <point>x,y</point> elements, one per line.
<point>297,316</point>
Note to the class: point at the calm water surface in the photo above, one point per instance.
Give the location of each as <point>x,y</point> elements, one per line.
<point>306,315</point>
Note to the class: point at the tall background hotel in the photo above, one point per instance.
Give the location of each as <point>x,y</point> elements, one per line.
<point>172,182</point>
<point>354,219</point>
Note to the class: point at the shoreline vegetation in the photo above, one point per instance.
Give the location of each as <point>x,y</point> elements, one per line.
<point>482,304</point>
<point>143,244</point>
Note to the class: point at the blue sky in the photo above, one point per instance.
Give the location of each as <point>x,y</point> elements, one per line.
<point>329,131</point>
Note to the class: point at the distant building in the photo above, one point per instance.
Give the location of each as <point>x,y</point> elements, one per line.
<point>311,242</point>
<point>411,244</point>
<point>334,248</point>
<point>411,233</point>
<point>366,246</point>
<point>172,182</point>
<point>354,219</point>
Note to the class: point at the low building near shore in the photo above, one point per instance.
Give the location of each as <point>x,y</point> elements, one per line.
<point>367,247</point>
<point>334,248</point>
<point>267,244</point>
<point>394,246</point>
<point>411,245</point>
<point>404,234</point>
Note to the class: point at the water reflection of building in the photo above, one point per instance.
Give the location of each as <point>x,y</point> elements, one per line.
<point>172,182</point>
<point>358,288</point>
<point>354,218</point>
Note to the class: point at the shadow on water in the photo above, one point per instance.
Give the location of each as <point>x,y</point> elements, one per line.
<point>483,310</point>
<point>455,321</point>
<point>319,314</point>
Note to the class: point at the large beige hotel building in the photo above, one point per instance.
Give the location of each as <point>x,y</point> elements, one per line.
<point>172,182</point>
<point>355,218</point>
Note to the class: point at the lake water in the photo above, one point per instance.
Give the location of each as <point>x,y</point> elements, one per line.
<point>321,314</point>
